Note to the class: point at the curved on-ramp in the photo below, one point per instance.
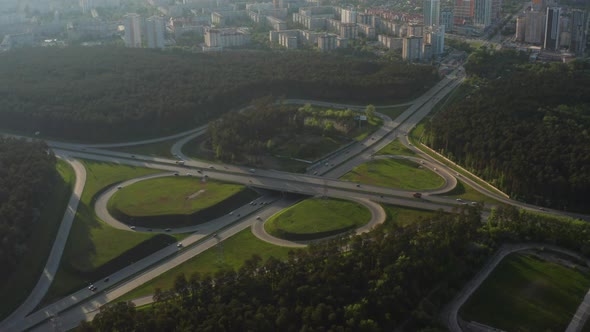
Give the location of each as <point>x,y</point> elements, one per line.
<point>57,249</point>
<point>378,216</point>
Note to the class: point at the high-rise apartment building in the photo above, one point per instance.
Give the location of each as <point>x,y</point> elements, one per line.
<point>155,27</point>
<point>412,49</point>
<point>431,12</point>
<point>535,27</point>
<point>482,13</point>
<point>578,23</point>
<point>132,30</point>
<point>464,11</point>
<point>552,28</point>
<point>447,19</point>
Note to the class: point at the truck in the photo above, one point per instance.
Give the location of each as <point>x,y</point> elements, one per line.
<point>180,162</point>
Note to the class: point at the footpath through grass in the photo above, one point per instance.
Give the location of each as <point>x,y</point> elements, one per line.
<point>396,148</point>
<point>525,293</point>
<point>94,249</point>
<point>236,250</point>
<point>316,218</point>
<point>25,276</point>
<point>395,173</point>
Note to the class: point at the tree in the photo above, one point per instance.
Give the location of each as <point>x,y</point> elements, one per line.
<point>370,111</point>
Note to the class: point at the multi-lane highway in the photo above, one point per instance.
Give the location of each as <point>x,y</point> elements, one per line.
<point>84,303</point>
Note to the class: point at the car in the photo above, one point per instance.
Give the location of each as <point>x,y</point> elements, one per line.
<point>132,156</point>
<point>326,164</point>
<point>205,176</point>
<point>211,167</point>
<point>258,218</point>
<point>238,215</point>
<point>199,171</point>
<point>417,195</point>
<point>315,173</point>
<point>214,234</point>
<point>94,288</point>
<point>410,144</point>
<point>149,229</point>
<point>107,279</point>
<point>358,185</point>
<point>132,227</point>
<point>167,229</point>
<point>119,187</point>
<point>176,174</point>
<point>189,174</point>
<point>231,213</point>
<point>434,169</point>
<point>473,203</point>
<point>421,161</point>
<point>90,287</point>
<point>373,138</point>
<point>252,170</point>
<point>179,245</point>
<point>541,209</point>
<point>459,200</point>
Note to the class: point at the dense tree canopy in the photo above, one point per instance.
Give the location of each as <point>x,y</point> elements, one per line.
<point>525,127</point>
<point>109,93</point>
<point>392,277</point>
<point>27,171</point>
<point>238,136</point>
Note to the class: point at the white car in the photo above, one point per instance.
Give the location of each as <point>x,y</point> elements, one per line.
<point>179,245</point>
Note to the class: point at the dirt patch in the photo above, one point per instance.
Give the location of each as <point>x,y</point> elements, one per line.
<point>193,196</point>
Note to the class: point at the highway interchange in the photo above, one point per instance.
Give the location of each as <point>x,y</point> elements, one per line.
<point>83,304</point>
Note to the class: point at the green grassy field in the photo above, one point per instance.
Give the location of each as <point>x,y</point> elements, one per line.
<point>393,112</point>
<point>316,218</point>
<point>160,149</point>
<point>25,276</point>
<point>395,173</point>
<point>465,192</point>
<point>236,250</point>
<point>171,195</point>
<point>525,293</point>
<point>405,216</point>
<point>92,243</point>
<point>396,148</point>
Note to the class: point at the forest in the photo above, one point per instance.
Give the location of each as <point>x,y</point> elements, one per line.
<point>246,136</point>
<point>27,172</point>
<point>392,277</point>
<point>105,94</point>
<point>523,127</point>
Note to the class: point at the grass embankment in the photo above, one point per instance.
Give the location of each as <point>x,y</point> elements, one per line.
<point>236,250</point>
<point>24,278</point>
<point>159,149</point>
<point>525,293</point>
<point>316,218</point>
<point>396,148</point>
<point>393,112</point>
<point>465,192</point>
<point>405,216</point>
<point>395,173</point>
<point>94,249</point>
<point>176,201</point>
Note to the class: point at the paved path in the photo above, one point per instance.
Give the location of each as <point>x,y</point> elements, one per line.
<point>378,216</point>
<point>57,249</point>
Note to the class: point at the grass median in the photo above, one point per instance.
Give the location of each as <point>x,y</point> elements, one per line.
<point>525,293</point>
<point>395,173</point>
<point>25,276</point>
<point>232,255</point>
<point>317,218</point>
<point>396,148</point>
